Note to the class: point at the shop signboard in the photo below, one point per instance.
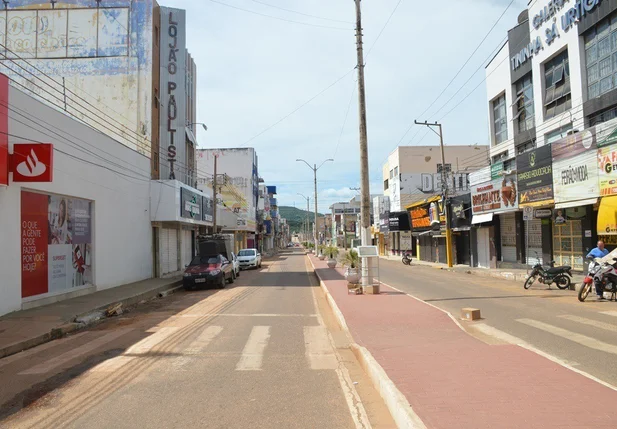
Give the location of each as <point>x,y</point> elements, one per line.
<point>56,243</point>
<point>607,170</point>
<point>420,219</point>
<point>399,221</point>
<point>543,213</point>
<point>384,219</point>
<point>4,129</point>
<point>496,170</point>
<point>207,209</point>
<point>535,176</point>
<point>190,204</point>
<point>575,167</point>
<point>606,133</point>
<point>497,195</point>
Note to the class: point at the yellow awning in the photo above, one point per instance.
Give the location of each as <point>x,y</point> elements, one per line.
<point>607,216</point>
<point>425,201</point>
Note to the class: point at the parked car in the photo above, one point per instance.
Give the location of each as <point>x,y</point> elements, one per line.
<point>207,271</point>
<point>236,264</point>
<point>249,258</point>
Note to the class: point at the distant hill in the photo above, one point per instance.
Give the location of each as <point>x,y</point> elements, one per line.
<point>296,217</point>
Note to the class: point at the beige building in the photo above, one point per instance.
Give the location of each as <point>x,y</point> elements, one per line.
<point>413,173</point>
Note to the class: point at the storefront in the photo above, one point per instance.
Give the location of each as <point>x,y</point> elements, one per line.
<point>460,221</point>
<point>399,224</point>
<point>607,212</point>
<point>428,230</point>
<point>535,191</point>
<point>576,190</point>
<point>384,233</point>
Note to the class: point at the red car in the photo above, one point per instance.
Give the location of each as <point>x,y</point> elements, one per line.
<point>208,270</point>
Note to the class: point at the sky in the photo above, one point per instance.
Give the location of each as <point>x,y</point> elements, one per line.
<point>289,89</point>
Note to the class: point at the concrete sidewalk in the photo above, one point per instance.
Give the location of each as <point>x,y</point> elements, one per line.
<point>24,329</point>
<point>447,378</point>
<point>514,274</point>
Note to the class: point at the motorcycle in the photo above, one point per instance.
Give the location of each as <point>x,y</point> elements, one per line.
<point>603,275</point>
<point>406,259</point>
<point>561,276</point>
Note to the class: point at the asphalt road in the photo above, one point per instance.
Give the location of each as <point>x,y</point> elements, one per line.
<point>263,353</point>
<point>583,335</point>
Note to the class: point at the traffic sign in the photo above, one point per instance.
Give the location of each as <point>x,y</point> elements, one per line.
<point>527,213</point>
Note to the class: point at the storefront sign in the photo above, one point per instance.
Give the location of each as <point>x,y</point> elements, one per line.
<point>543,213</point>
<point>32,162</point>
<point>575,167</point>
<point>497,195</point>
<point>606,133</point>
<point>4,129</point>
<point>190,204</point>
<point>607,216</point>
<point>56,243</point>
<point>560,217</point>
<point>607,170</point>
<point>399,221</point>
<point>207,209</point>
<point>496,170</point>
<point>384,219</point>
<point>535,176</point>
<point>420,219</point>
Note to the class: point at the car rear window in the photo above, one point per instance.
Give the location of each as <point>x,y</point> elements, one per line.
<point>247,252</point>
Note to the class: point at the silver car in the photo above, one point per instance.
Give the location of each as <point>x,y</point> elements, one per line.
<point>249,258</point>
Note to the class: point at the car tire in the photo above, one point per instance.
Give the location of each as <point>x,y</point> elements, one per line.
<point>232,278</point>
<point>222,283</point>
<point>238,273</point>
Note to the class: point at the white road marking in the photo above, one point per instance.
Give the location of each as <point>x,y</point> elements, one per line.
<point>253,353</point>
<point>584,340</point>
<point>75,353</point>
<point>319,351</point>
<point>247,315</point>
<point>489,330</point>
<point>142,347</point>
<point>590,322</point>
<point>27,353</point>
<point>198,346</point>
<point>609,313</point>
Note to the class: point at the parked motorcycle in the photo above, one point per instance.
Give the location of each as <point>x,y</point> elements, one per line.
<point>406,259</point>
<point>601,274</point>
<point>561,276</point>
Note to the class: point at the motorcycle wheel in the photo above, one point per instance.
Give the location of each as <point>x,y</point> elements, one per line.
<point>406,261</point>
<point>563,282</point>
<point>530,280</point>
<point>583,292</point>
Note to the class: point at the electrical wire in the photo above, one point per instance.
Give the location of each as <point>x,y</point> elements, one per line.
<point>353,91</point>
<point>278,18</point>
<point>301,13</point>
<point>383,28</point>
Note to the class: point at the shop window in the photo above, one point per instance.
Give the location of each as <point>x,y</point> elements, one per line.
<point>523,107</point>
<point>557,98</point>
<point>500,125</point>
<point>601,58</point>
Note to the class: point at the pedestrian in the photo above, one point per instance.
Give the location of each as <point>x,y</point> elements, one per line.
<point>599,252</point>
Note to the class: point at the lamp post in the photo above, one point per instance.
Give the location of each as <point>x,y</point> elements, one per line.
<point>306,228</point>
<point>315,168</point>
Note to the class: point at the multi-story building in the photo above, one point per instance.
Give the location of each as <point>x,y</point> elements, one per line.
<point>237,190</point>
<point>344,219</point>
<point>552,103</point>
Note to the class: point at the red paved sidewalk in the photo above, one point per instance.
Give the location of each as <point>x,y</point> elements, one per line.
<point>453,380</point>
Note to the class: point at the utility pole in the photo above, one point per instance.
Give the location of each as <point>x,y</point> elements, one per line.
<point>365,210</point>
<point>308,210</point>
<point>215,199</point>
<point>315,168</point>
<point>444,189</point>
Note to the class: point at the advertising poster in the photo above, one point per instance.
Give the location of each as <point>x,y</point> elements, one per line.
<point>535,176</point>
<point>190,204</point>
<point>208,209</point>
<point>607,166</point>
<point>56,243</point>
<point>497,195</point>
<point>575,167</point>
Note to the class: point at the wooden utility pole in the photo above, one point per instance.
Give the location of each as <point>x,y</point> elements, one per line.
<point>365,208</point>
<point>444,190</point>
<point>214,184</point>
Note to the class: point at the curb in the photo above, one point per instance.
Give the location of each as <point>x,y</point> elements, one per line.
<point>397,404</point>
<point>67,328</point>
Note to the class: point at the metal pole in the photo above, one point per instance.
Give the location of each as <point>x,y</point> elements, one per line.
<point>365,211</point>
<point>214,184</point>
<point>444,185</point>
<point>315,226</point>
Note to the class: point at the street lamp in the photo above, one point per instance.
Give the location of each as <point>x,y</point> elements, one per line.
<point>315,168</point>
<point>205,127</point>
<point>306,230</point>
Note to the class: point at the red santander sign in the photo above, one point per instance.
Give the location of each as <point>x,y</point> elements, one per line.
<point>32,162</point>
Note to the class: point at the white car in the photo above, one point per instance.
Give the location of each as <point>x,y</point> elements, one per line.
<point>249,258</point>
<point>236,264</point>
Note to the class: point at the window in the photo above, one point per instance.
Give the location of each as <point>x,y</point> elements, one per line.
<point>558,134</point>
<point>395,171</point>
<point>557,98</point>
<point>385,185</point>
<point>601,58</point>
<point>525,147</point>
<point>499,119</point>
<point>604,116</point>
<point>523,107</point>
<point>509,164</point>
<point>448,168</point>
<point>499,157</point>
<point>391,174</point>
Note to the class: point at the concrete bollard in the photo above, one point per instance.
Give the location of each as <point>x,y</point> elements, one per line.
<point>470,314</point>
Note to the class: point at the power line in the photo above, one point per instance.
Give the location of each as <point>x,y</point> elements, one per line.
<point>383,28</point>
<point>301,13</point>
<point>353,91</point>
<point>278,18</point>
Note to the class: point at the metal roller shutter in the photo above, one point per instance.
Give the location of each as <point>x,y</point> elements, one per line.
<point>187,248</point>
<point>508,237</point>
<point>173,250</point>
<point>164,243</point>
<point>534,241</point>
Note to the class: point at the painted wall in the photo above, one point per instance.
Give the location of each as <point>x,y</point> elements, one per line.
<point>103,63</point>
<point>238,197</point>
<point>87,165</point>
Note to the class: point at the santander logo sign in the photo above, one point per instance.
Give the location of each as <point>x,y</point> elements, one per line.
<point>32,162</point>
<point>31,167</point>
